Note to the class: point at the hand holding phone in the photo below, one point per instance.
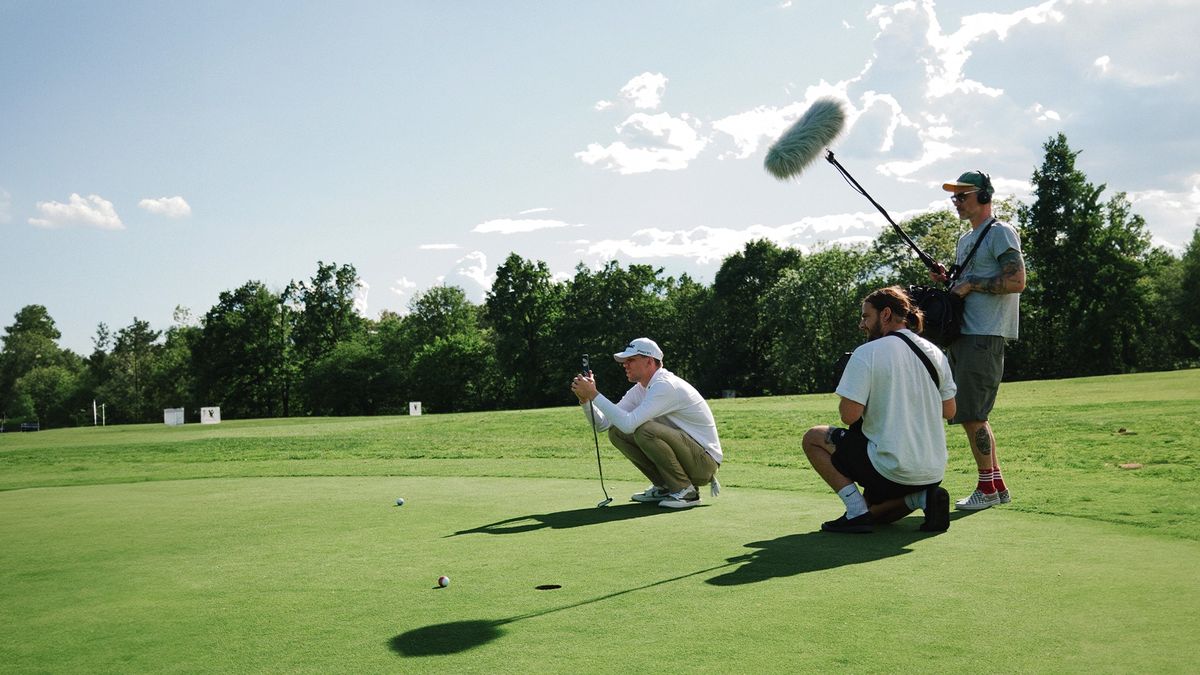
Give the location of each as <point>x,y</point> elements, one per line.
<point>584,382</point>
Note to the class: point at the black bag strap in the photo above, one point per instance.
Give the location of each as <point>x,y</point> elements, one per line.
<point>937,382</point>
<point>958,269</point>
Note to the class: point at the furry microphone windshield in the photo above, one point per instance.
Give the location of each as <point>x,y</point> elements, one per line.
<point>803,141</point>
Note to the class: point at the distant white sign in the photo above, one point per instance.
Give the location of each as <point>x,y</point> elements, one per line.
<point>210,415</point>
<point>172,416</point>
<point>414,407</point>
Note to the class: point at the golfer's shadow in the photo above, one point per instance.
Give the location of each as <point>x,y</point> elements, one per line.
<point>565,519</point>
<point>794,554</point>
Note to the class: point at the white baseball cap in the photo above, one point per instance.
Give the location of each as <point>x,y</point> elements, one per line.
<point>640,347</point>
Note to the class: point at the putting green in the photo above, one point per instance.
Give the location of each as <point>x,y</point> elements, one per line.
<point>328,575</point>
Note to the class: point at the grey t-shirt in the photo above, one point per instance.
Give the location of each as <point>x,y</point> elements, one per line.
<point>988,313</point>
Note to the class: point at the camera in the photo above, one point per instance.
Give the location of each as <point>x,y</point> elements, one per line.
<point>839,367</point>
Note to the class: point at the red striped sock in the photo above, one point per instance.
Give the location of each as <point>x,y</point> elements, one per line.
<point>986,486</point>
<point>997,480</point>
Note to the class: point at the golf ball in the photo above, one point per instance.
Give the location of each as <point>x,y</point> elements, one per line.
<point>443,581</point>
<point>399,501</point>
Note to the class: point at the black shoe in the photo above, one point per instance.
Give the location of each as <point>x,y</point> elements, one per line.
<point>937,510</point>
<point>860,524</point>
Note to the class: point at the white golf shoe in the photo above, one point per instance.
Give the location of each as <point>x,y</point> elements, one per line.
<point>683,499</point>
<point>652,494</point>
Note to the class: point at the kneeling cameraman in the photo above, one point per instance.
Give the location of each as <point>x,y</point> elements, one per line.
<point>895,391</point>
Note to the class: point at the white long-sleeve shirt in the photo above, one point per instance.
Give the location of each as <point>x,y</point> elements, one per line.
<point>667,399</point>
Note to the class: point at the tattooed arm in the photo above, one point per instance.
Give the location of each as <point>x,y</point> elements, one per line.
<point>1010,280</point>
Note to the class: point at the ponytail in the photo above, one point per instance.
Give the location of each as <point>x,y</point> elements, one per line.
<point>896,299</point>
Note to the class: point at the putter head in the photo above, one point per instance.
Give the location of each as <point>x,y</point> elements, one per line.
<point>605,502</point>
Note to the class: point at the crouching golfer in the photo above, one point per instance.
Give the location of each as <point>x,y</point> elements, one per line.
<point>895,391</point>
<point>661,424</point>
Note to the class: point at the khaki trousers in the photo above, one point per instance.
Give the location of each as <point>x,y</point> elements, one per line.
<point>665,455</point>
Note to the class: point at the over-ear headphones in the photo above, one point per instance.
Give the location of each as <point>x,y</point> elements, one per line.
<point>985,191</point>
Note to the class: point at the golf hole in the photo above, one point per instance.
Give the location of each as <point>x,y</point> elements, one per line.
<point>548,587</point>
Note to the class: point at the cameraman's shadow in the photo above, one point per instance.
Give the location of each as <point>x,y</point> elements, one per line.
<point>811,551</point>
<point>564,519</point>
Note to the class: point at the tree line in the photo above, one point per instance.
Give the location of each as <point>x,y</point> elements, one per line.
<point>1100,299</point>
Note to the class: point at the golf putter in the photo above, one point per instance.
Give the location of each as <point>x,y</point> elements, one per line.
<point>587,370</point>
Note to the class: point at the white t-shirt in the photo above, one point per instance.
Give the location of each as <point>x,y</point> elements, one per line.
<point>669,400</point>
<point>906,439</point>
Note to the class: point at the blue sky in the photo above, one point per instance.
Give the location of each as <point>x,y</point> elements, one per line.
<point>155,154</point>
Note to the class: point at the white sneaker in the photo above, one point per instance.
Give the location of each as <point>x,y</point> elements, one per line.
<point>652,494</point>
<point>978,501</point>
<point>684,499</point>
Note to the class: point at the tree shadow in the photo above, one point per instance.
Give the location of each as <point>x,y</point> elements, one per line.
<point>566,519</point>
<point>811,551</point>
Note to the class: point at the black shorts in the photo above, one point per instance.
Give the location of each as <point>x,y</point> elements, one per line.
<point>853,462</point>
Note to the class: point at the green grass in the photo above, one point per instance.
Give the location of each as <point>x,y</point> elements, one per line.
<point>274,545</point>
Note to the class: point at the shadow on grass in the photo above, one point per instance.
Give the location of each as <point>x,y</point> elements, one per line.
<point>459,636</point>
<point>799,553</point>
<point>565,519</point>
<point>446,638</point>
<point>785,556</point>
<point>959,515</point>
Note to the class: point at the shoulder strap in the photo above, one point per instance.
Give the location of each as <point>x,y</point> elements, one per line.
<point>921,355</point>
<point>958,269</point>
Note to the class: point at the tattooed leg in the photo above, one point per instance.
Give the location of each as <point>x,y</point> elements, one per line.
<point>983,444</point>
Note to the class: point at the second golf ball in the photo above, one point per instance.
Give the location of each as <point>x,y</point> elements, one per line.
<point>399,501</point>
<point>443,581</point>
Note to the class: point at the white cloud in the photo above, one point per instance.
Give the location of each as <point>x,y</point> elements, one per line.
<point>655,142</point>
<point>932,151</point>
<point>361,290</point>
<point>171,207</point>
<point>438,247</point>
<point>749,129</point>
<point>705,245</point>
<point>95,211</point>
<point>602,105</point>
<point>1131,76</point>
<point>473,267</point>
<point>1044,114</point>
<point>896,120</point>
<point>540,209</point>
<point>402,286</point>
<point>645,91</point>
<point>951,50</point>
<point>511,226</point>
<point>752,128</point>
<point>5,207</point>
<point>1175,213</point>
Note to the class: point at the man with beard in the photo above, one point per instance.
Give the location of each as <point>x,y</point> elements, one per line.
<point>896,390</point>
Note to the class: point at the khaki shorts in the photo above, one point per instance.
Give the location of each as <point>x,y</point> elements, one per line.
<point>977,362</point>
